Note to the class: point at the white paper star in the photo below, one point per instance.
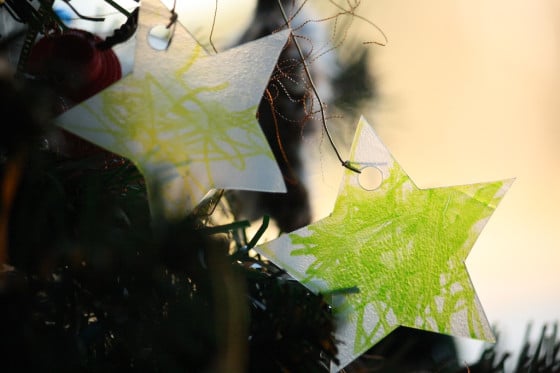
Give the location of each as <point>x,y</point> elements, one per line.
<point>187,120</point>
<point>403,247</point>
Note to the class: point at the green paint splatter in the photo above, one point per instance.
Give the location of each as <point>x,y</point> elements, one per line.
<point>404,248</point>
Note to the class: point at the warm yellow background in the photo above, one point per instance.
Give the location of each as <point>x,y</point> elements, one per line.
<point>469,91</point>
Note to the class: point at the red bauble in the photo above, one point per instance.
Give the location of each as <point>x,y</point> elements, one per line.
<point>72,66</point>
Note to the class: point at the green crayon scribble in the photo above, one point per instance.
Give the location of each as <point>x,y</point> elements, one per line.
<point>165,121</point>
<point>404,248</point>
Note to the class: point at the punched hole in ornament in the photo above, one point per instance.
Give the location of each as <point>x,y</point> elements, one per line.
<point>370,178</point>
<point>159,37</point>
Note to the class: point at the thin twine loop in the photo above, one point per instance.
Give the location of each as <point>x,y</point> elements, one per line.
<point>347,164</point>
<point>213,25</point>
<point>172,23</point>
<point>174,16</point>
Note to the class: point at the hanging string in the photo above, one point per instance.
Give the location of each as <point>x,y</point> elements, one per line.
<point>347,164</point>
<point>213,25</point>
<point>38,22</point>
<point>174,16</point>
<point>118,7</point>
<point>351,11</point>
<point>81,16</point>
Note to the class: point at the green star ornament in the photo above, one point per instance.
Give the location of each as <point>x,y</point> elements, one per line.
<point>402,247</point>
<point>186,119</point>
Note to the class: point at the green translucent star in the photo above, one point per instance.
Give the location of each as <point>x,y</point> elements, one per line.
<point>186,119</point>
<point>403,247</point>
